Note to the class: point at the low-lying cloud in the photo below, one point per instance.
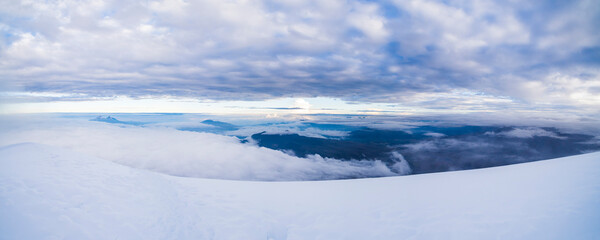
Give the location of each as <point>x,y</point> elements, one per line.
<point>188,154</point>
<point>492,146</point>
<point>289,128</point>
<point>526,133</point>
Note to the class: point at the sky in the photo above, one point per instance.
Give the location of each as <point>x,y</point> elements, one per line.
<point>367,57</point>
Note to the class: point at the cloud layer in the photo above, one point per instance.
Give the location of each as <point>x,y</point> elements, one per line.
<point>189,154</point>
<point>526,133</point>
<point>544,52</point>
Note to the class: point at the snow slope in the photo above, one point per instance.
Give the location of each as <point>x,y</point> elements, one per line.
<point>52,193</point>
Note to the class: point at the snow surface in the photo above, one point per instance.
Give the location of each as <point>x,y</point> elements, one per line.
<point>52,193</point>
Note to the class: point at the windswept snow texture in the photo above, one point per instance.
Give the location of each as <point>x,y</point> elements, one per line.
<point>52,193</point>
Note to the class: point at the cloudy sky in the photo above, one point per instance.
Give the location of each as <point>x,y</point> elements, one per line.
<point>357,56</point>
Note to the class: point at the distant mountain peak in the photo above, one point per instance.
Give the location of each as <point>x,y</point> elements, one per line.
<point>219,124</point>
<point>109,119</point>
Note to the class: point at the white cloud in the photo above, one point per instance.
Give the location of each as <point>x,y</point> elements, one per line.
<point>527,133</point>
<point>562,88</point>
<point>189,154</point>
<point>434,134</point>
<point>447,144</point>
<point>287,128</point>
<point>301,103</point>
<point>366,18</point>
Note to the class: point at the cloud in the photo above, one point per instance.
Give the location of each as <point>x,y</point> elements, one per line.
<point>434,134</point>
<point>526,133</point>
<point>288,129</point>
<point>188,154</point>
<point>306,129</point>
<point>301,104</point>
<point>447,144</point>
<point>533,53</point>
<point>403,144</point>
<point>493,146</point>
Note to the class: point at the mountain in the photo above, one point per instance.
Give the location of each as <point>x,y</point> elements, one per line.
<point>52,193</point>
<point>222,125</point>
<point>109,119</point>
<point>334,148</point>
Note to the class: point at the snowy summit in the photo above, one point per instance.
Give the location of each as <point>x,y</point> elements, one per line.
<point>52,193</point>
